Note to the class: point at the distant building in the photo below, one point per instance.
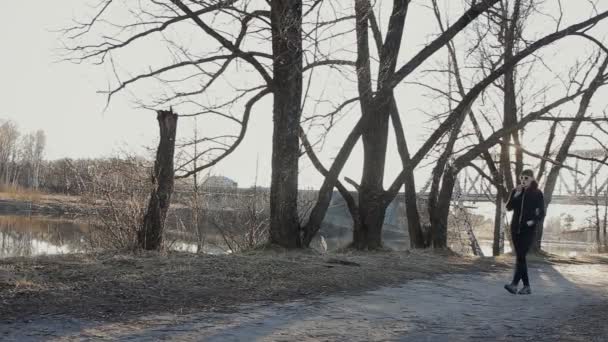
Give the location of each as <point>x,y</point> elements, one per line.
<point>219,183</point>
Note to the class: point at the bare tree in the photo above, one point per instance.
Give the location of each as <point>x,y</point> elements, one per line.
<point>449,173</point>
<point>234,39</point>
<point>38,157</point>
<point>21,156</point>
<point>563,153</point>
<point>499,36</point>
<point>286,22</point>
<point>372,198</point>
<point>9,137</point>
<point>150,236</point>
<point>376,109</point>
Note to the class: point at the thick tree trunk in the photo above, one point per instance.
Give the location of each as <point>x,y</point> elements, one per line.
<point>150,236</point>
<point>440,217</point>
<point>286,19</point>
<point>368,235</point>
<point>372,204</point>
<point>372,199</point>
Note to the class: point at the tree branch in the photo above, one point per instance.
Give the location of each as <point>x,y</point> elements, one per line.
<point>246,116</point>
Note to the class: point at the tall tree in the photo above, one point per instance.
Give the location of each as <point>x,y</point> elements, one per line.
<point>286,21</point>
<point>376,107</point>
<point>225,48</point>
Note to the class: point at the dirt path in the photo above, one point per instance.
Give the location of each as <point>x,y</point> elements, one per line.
<point>457,307</point>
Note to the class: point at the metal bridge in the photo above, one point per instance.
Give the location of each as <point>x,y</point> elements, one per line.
<point>581,183</point>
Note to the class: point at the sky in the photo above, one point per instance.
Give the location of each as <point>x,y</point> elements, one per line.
<point>38,91</point>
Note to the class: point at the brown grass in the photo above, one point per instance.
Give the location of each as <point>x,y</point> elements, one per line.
<point>115,286</point>
<point>29,195</point>
<point>106,286</point>
<point>20,194</point>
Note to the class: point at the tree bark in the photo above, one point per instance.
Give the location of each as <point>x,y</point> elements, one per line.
<point>286,20</point>
<point>437,205</point>
<point>150,236</point>
<point>372,204</point>
<point>598,239</point>
<point>605,223</point>
<point>510,100</point>
<point>440,217</point>
<point>414,225</point>
<point>374,135</point>
<point>496,243</point>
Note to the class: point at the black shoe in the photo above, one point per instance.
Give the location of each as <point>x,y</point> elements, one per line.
<point>511,288</point>
<point>525,291</point>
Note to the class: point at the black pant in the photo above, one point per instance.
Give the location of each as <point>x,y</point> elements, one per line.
<point>521,244</point>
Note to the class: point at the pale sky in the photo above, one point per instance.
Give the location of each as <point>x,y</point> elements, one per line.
<point>36,92</point>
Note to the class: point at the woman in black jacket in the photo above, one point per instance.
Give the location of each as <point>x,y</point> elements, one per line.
<point>528,206</point>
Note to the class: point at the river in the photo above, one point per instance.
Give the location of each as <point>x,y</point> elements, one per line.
<point>39,235</point>
<point>26,236</point>
<point>555,222</point>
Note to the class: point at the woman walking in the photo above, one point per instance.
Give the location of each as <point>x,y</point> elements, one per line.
<point>528,206</point>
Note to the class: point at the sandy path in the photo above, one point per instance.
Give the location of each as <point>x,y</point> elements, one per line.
<point>449,308</point>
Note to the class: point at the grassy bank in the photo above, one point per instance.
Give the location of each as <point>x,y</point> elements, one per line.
<point>107,286</point>
<point>22,202</point>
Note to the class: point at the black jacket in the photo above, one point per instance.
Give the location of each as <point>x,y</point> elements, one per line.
<point>528,206</point>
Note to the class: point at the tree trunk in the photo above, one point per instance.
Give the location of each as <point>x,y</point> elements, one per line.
<point>496,244</point>
<point>150,236</point>
<point>414,225</point>
<point>598,236</point>
<point>372,199</point>
<point>372,210</point>
<point>440,217</point>
<point>308,231</point>
<point>510,97</point>
<point>286,20</point>
<point>605,223</point>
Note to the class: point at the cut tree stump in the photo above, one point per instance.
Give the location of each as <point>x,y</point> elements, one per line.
<point>150,235</point>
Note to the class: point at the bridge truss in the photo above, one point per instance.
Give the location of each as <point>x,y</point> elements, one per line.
<point>584,178</point>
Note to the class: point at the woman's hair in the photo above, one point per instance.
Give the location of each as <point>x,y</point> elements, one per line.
<point>528,172</point>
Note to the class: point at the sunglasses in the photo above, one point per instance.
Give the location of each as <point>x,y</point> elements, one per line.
<point>524,177</point>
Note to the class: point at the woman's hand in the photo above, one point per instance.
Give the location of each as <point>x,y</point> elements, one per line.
<point>518,190</point>
<point>530,223</point>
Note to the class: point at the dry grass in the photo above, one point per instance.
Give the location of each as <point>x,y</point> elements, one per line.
<point>106,286</point>
<point>28,195</point>
<point>20,194</point>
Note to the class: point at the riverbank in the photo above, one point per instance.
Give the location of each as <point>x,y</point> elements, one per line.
<point>117,286</point>
<point>34,203</point>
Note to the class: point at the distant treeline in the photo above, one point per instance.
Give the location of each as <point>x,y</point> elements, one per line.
<point>23,165</point>
<point>21,156</point>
